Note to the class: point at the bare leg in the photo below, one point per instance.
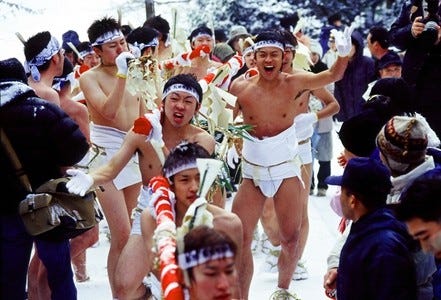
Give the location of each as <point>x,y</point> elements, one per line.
<point>78,246</point>
<point>115,209</point>
<point>289,211</point>
<point>248,205</point>
<point>131,268</point>
<point>304,195</point>
<point>34,265</point>
<point>269,222</point>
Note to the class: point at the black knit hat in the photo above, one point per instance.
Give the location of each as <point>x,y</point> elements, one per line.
<point>358,133</point>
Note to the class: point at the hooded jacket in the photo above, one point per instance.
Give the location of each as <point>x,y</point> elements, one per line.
<point>376,260</point>
<point>43,136</point>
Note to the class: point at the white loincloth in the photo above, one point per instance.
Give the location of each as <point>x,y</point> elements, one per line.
<point>143,202</point>
<point>305,152</point>
<point>111,140</point>
<point>270,160</point>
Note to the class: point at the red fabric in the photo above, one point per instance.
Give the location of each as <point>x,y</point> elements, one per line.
<point>342,225</point>
<point>197,51</point>
<point>142,126</point>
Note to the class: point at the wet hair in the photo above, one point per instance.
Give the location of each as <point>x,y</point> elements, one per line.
<point>35,44</point>
<point>100,27</point>
<point>142,35</point>
<point>200,30</point>
<point>289,38</point>
<point>204,237</point>
<point>421,198</point>
<point>184,154</point>
<point>381,35</point>
<point>189,80</point>
<point>160,24</point>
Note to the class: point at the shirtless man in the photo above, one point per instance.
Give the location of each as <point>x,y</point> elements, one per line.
<point>181,171</point>
<point>201,64</point>
<point>331,107</point>
<point>44,60</point>
<point>270,165</point>
<point>181,100</point>
<point>112,111</point>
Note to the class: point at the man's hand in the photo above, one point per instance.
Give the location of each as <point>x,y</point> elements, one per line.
<point>122,63</point>
<point>79,183</point>
<point>343,41</point>
<point>155,121</point>
<point>330,280</point>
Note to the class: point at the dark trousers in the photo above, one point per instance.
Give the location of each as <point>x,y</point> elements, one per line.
<point>15,252</point>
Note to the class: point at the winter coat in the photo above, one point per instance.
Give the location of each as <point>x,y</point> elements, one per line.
<point>349,90</point>
<point>42,135</point>
<point>376,260</point>
<point>421,66</point>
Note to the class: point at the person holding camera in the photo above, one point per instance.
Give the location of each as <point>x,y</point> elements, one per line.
<point>417,31</point>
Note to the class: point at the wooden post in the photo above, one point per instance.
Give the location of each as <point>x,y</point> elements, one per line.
<point>149,8</point>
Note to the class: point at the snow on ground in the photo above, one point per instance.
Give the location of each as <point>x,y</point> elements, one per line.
<point>322,234</point>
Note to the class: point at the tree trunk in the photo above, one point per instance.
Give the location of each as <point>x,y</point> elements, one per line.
<point>149,8</point>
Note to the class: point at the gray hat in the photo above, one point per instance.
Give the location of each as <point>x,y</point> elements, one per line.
<point>223,51</point>
<point>237,31</point>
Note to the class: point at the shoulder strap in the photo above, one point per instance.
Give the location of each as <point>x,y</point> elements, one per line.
<point>19,171</point>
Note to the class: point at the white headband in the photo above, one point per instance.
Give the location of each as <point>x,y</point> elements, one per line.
<point>60,81</point>
<point>197,257</point>
<point>179,87</point>
<point>201,34</point>
<point>85,52</point>
<point>108,37</point>
<point>142,46</point>
<point>268,43</point>
<point>247,50</point>
<point>52,48</point>
<point>169,173</point>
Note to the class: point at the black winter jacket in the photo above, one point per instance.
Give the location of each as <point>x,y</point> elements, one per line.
<point>43,136</point>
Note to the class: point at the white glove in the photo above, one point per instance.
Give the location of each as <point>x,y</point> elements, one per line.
<point>79,183</point>
<point>343,41</point>
<point>155,120</point>
<point>304,125</point>
<point>122,63</point>
<point>232,157</point>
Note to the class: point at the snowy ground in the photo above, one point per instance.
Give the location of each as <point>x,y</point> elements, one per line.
<point>322,234</point>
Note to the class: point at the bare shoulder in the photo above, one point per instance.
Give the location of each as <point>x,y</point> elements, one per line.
<point>224,218</point>
<point>204,139</point>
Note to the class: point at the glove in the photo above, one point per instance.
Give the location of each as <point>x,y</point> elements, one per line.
<point>79,183</point>
<point>200,51</point>
<point>122,63</point>
<point>343,40</point>
<point>303,123</point>
<point>155,121</point>
<point>232,157</point>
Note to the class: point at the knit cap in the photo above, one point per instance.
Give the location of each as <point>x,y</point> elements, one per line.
<point>223,51</point>
<point>403,143</point>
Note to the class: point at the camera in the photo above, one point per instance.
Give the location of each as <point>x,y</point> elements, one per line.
<point>429,11</point>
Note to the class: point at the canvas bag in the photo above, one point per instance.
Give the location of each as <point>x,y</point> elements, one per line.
<point>55,214</point>
<point>51,212</point>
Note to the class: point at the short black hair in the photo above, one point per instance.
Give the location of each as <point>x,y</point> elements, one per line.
<point>142,35</point>
<point>160,24</point>
<point>184,153</point>
<point>270,35</point>
<point>288,37</point>
<point>201,29</point>
<point>421,198</point>
<point>12,70</point>
<point>187,80</point>
<point>35,44</point>
<point>381,35</point>
<point>102,26</point>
